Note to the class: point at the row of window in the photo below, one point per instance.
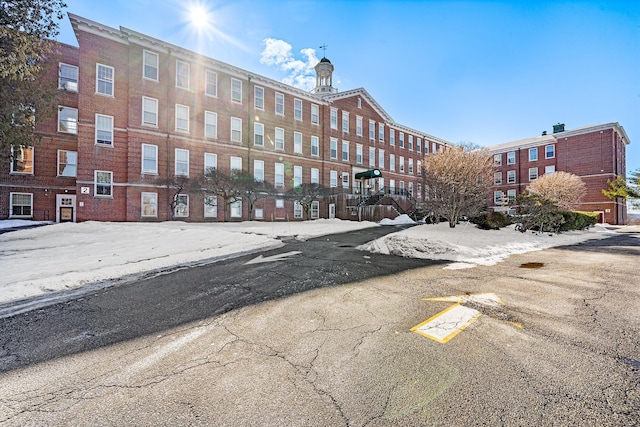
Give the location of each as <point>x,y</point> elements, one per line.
<point>549,153</point>
<point>23,157</point>
<point>511,175</point>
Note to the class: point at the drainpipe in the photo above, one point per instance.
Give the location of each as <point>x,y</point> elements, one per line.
<point>168,143</point>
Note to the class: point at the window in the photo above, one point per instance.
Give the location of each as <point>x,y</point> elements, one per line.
<point>315,176</point>
<point>21,205</point>
<point>334,118</point>
<point>549,151</point>
<point>533,154</point>
<point>419,167</point>
<point>67,120</point>
<point>235,163</point>
<point>211,83</point>
<point>315,146</point>
<point>333,179</point>
<point>182,162</point>
<point>236,129</point>
<point>315,209</point>
<point>182,118</point>
<point>426,147</point>
<point>210,124</point>
<point>434,148</point>
<point>210,206</point>
<point>104,79</point>
<point>297,142</point>
<point>22,160</point>
<point>511,177</point>
<point>258,97</point>
<point>279,139</point>
<point>411,166</point>
<point>402,187</point>
<point>359,154</point>
<point>258,134</point>
<point>236,90</point>
<point>345,151</point>
<point>149,111</point>
<point>392,186</point>
<point>279,175</point>
<point>68,77</point>
<point>149,158</point>
<point>345,179</point>
<point>410,142</point>
<point>392,162</point>
<point>418,144</point>
<point>498,197</point>
<point>401,164</point>
<point>279,104</point>
<point>372,157</point>
<point>183,70</point>
<point>358,125</point>
<point>297,176</point>
<point>372,129</point>
<point>258,170</point>
<point>236,209</point>
<point>345,121</point>
<point>150,67</point>
<point>549,169</point>
<point>182,206</point>
<point>392,136</point>
<point>315,116</point>
<point>401,139</point>
<point>67,163</point>
<point>511,157</point>
<point>381,132</point>
<point>149,204</point>
<point>210,161</point>
<point>333,148</point>
<point>533,174</point>
<point>297,109</point>
<point>497,159</point>
<point>103,183</point>
<point>104,130</point>
<point>497,178</point>
<point>279,203</point>
<point>297,209</point>
<point>381,159</point>
<point>511,196</point>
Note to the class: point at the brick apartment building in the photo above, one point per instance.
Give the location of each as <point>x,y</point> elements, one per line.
<point>594,153</point>
<point>135,112</point>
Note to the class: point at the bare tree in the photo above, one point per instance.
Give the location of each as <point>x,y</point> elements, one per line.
<point>456,182</point>
<point>253,190</point>
<point>306,194</point>
<point>223,183</point>
<point>177,186</point>
<point>562,188</point>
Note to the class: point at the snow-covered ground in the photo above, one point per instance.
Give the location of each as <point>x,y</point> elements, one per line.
<point>36,261</point>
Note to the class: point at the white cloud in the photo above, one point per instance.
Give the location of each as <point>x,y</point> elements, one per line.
<point>300,71</point>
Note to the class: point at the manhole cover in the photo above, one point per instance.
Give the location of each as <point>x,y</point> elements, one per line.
<point>532,265</point>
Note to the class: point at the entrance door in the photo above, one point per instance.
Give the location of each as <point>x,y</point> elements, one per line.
<point>65,208</point>
<point>332,210</point>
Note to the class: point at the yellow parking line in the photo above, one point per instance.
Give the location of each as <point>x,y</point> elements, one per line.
<point>448,323</point>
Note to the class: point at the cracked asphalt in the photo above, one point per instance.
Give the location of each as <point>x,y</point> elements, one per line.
<point>323,339</point>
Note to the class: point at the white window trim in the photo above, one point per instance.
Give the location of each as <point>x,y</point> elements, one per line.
<point>206,83</point>
<point>239,100</point>
<point>277,96</point>
<point>142,158</point>
<point>210,209</point>
<point>214,115</point>
<point>142,205</point>
<point>32,161</point>
<point>58,163</point>
<point>232,130</point>
<point>144,65</point>
<point>154,112</point>
<point>215,157</point>
<point>297,112</point>
<point>62,108</point>
<point>175,162</point>
<point>95,184</point>
<point>11,194</point>
<point>257,98</point>
<point>175,210</point>
<point>188,75</point>
<point>279,140</point>
<point>95,140</point>
<point>113,79</point>
<point>70,86</point>
<point>297,142</point>
<point>258,130</point>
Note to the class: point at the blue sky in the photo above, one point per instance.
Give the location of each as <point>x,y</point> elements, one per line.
<point>487,72</point>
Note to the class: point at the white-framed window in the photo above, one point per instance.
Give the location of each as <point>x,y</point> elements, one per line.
<point>419,168</point>
<point>149,111</point>
<point>418,144</point>
<point>380,183</point>
<point>333,179</point>
<point>279,139</point>
<point>402,187</point>
<point>21,205</point>
<point>392,136</point>
<point>401,139</point>
<point>497,178</point>
<point>381,132</point>
<point>359,154</point>
<point>103,183</point>
<point>411,166</point>
<point>104,130</point>
<point>258,213</point>
<point>315,114</point>
<point>211,83</point>
<point>297,142</point>
<point>183,73</point>
<point>235,163</point>
<point>549,169</point>
<point>410,142</point>
<point>148,204</point>
<point>315,176</point>
<point>533,174</point>
<point>181,162</point>
<point>279,175</point>
<point>297,109</point>
<point>392,186</point>
<point>345,151</point>
<point>258,134</point>
<point>533,154</point>
<point>181,209</point>
<point>297,176</point>
<point>210,124</point>
<point>392,162</point>
<point>67,163</point>
<point>426,147</point>
<point>333,148</point>
<point>258,170</point>
<point>236,90</point>
<point>315,146</point>
<point>150,61</point>
<point>372,129</point>
<point>22,160</point>
<point>498,197</point>
<point>345,121</point>
<point>210,161</point>
<point>297,209</point>
<point>236,129</point>
<point>236,209</point>
<point>315,209</point>
<point>67,77</point>
<point>279,104</point>
<point>511,158</point>
<point>258,97</point>
<point>333,115</point>
<point>104,79</point>
<point>511,177</point>
<point>358,125</point>
<point>279,203</point>
<point>210,206</point>
<point>182,118</point>
<point>381,159</point>
<point>372,157</point>
<point>511,196</point>
<point>497,159</point>
<point>549,151</point>
<point>149,158</point>
<point>401,164</point>
<point>67,120</point>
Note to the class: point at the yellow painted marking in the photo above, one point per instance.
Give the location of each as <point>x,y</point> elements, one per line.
<point>448,323</point>
<point>516,324</point>
<point>488,298</point>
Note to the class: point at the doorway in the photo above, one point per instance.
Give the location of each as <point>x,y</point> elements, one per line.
<point>65,208</point>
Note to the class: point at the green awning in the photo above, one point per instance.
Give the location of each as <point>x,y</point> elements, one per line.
<point>371,173</point>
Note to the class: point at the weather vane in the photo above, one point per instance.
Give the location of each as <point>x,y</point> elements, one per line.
<point>324,50</point>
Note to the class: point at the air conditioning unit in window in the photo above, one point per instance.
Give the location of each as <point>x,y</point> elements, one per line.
<point>71,86</point>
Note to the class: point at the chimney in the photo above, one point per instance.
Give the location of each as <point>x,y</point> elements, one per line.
<point>558,128</point>
<point>544,132</point>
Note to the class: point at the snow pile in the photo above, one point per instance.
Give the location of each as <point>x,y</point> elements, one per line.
<point>399,220</point>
